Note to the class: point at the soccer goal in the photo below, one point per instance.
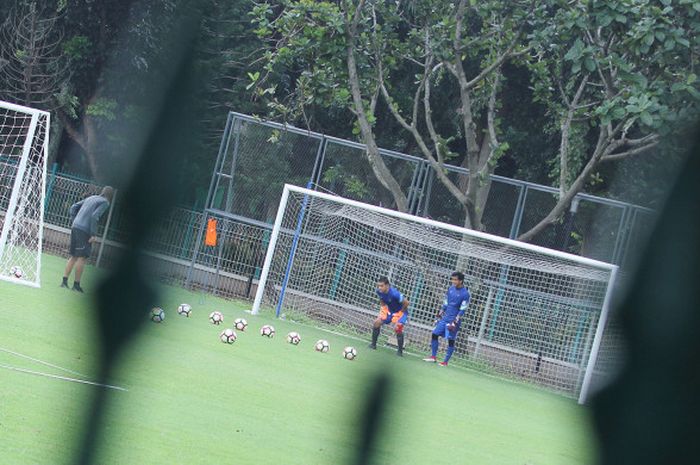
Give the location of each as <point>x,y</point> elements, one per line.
<point>24,140</point>
<point>535,314</point>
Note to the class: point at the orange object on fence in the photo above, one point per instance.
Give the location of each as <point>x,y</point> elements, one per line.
<point>210,237</point>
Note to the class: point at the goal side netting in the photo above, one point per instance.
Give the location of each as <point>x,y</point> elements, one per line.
<point>24,138</point>
<point>535,314</point>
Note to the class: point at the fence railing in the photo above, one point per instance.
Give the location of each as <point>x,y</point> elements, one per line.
<point>258,157</point>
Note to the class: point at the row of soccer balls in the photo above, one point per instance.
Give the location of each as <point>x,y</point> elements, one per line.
<point>229,336</point>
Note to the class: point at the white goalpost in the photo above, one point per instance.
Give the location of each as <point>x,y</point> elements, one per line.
<point>535,314</point>
<point>24,141</point>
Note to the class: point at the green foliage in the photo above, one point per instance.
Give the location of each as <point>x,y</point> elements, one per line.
<point>68,102</point>
<point>338,178</point>
<point>636,57</point>
<point>77,47</point>
<point>103,108</point>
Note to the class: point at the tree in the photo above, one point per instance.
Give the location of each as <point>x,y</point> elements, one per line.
<point>615,76</point>
<point>434,40</point>
<point>113,46</point>
<point>325,50</point>
<point>465,45</point>
<point>32,70</point>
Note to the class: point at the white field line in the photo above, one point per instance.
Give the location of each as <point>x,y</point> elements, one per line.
<point>62,378</point>
<point>17,354</point>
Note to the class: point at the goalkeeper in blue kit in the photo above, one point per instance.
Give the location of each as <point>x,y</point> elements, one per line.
<point>450,317</point>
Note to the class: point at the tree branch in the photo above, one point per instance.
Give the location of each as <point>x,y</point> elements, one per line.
<point>621,155</point>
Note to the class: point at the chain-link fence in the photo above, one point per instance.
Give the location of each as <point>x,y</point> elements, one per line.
<point>257,158</point>
<point>228,269</point>
<point>346,171</point>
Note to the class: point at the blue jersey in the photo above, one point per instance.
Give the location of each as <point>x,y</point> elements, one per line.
<point>455,303</point>
<point>393,299</point>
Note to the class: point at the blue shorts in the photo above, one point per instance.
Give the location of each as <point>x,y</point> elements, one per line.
<point>441,330</point>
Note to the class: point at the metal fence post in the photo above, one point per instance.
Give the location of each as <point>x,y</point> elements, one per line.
<point>49,186</point>
<point>220,159</point>
<point>318,162</point>
<point>518,214</point>
<point>428,183</point>
<point>107,224</point>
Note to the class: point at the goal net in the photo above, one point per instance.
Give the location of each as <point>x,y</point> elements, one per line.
<point>535,314</point>
<point>23,149</point>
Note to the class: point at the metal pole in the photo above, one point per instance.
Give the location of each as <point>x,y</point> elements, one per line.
<point>293,251</point>
<point>214,180</point>
<point>104,233</point>
<point>482,326</point>
<point>270,251</point>
<point>623,230</point>
<point>586,348</point>
<point>318,163</point>
<point>340,263</point>
<point>42,209</point>
<point>602,321</point>
<point>518,214</point>
<point>412,197</point>
<point>228,205</point>
<point>49,187</point>
<point>429,178</point>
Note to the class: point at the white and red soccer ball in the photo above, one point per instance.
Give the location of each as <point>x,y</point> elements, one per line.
<point>228,336</point>
<point>322,346</point>
<point>157,315</point>
<point>184,310</point>
<point>216,318</point>
<point>293,338</point>
<point>241,324</point>
<point>267,330</point>
<point>349,353</point>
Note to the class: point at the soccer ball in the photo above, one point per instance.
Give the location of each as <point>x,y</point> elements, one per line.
<point>16,272</point>
<point>216,318</point>
<point>294,338</point>
<point>157,315</point>
<point>184,310</point>
<point>267,330</point>
<point>228,336</point>
<point>240,324</point>
<point>349,353</point>
<point>322,346</point>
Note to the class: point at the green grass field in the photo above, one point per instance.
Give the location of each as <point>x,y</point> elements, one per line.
<point>193,400</point>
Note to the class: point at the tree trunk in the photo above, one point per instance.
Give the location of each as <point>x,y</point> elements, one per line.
<point>477,185</point>
<point>378,166</point>
<point>86,139</point>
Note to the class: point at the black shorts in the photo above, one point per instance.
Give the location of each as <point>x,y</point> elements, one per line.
<point>79,243</point>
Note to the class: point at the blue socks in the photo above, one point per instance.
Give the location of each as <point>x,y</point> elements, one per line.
<point>434,346</point>
<point>448,354</point>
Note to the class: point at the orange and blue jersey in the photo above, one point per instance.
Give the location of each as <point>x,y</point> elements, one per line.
<point>392,306</point>
<point>392,299</point>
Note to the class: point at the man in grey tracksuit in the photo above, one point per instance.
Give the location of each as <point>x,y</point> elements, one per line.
<point>85,215</point>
